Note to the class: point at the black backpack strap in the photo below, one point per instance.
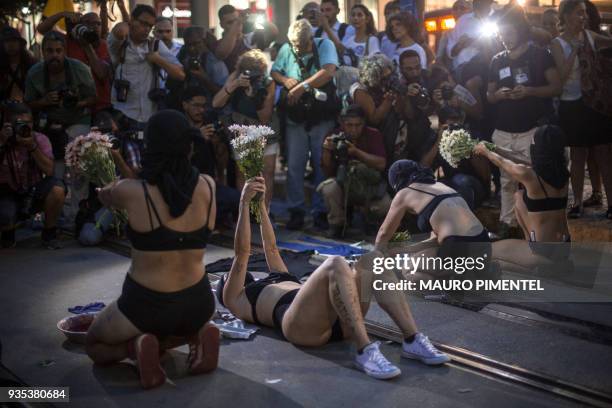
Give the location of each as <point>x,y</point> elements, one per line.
<point>122,51</point>
<point>342,30</point>
<point>319,32</point>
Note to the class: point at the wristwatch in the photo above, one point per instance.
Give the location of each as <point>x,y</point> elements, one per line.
<point>306,86</point>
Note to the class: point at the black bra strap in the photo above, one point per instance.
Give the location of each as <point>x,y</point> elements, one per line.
<point>542,185</point>
<point>421,191</point>
<point>150,203</point>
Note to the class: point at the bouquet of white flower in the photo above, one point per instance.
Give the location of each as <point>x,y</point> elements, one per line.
<point>457,145</point>
<point>249,145</point>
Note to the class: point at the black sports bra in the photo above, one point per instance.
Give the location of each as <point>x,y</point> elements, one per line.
<point>424,216</point>
<point>544,204</point>
<point>163,238</point>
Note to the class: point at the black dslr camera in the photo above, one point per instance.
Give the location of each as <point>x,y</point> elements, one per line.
<point>67,97</point>
<point>21,129</point>
<point>81,31</point>
<point>211,117</point>
<point>394,84</point>
<point>122,88</point>
<point>257,81</point>
<point>193,63</point>
<point>342,156</point>
<point>447,92</point>
<point>157,95</point>
<point>422,99</point>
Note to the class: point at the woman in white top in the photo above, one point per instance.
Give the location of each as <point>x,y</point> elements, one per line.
<point>363,43</point>
<point>583,126</point>
<point>403,29</point>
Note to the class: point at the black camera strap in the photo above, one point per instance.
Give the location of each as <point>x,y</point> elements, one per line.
<point>305,69</point>
<point>153,45</point>
<point>67,76</point>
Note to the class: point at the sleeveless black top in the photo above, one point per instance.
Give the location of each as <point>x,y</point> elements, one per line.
<point>163,238</point>
<point>544,204</point>
<point>426,213</point>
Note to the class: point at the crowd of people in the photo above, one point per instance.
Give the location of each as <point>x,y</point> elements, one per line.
<point>358,111</point>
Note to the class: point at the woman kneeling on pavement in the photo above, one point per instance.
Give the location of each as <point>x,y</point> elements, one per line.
<point>330,306</point>
<point>540,206</point>
<point>440,210</point>
<point>166,294</point>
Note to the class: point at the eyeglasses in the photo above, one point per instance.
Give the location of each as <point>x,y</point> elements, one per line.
<point>146,25</point>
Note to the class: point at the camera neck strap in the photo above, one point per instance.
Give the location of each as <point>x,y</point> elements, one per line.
<point>153,45</point>
<point>305,69</point>
<point>67,76</point>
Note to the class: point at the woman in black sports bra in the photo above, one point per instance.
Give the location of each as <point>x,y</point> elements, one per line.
<point>441,211</point>
<point>166,296</point>
<point>329,306</point>
<point>541,206</point>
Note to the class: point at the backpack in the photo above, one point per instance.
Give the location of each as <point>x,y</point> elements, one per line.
<point>341,31</point>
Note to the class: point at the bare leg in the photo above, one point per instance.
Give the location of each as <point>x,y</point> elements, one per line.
<point>108,336</point>
<point>603,157</point>
<point>330,293</point>
<point>54,202</point>
<point>391,301</point>
<point>517,252</point>
<point>578,157</point>
<point>594,173</point>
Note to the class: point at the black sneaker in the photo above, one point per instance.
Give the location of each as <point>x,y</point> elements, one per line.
<point>575,212</point>
<point>296,222</point>
<point>320,221</point>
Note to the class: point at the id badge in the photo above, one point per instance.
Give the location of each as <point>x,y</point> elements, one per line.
<point>521,77</point>
<point>504,73</point>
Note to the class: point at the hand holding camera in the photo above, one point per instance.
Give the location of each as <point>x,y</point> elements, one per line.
<point>240,81</point>
<point>52,98</point>
<point>294,95</point>
<point>503,93</point>
<point>519,92</point>
<point>17,133</point>
<point>208,132</point>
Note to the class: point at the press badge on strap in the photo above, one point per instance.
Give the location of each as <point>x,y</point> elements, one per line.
<point>505,73</point>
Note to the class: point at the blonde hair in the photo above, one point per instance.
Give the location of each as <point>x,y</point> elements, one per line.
<point>252,60</point>
<point>300,32</point>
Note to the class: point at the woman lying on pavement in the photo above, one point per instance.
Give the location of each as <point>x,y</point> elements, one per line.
<point>455,230</point>
<point>330,306</point>
<point>540,207</point>
<point>166,294</point>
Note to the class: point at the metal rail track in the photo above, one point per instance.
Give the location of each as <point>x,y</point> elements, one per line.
<point>483,365</point>
<point>470,361</point>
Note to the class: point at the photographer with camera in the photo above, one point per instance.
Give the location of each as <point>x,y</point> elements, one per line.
<point>84,43</point>
<point>202,68</point>
<point>61,91</point>
<point>305,67</point>
<point>27,184</point>
<point>138,60</point>
<point>354,161</point>
<point>249,91</point>
<point>211,152</point>
<point>15,61</point>
<point>234,42</point>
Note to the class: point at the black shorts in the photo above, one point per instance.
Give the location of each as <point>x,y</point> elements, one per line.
<point>477,246</point>
<point>281,308</point>
<point>180,313</point>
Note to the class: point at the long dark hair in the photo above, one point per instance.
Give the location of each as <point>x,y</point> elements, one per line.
<point>548,156</point>
<point>370,27</point>
<point>165,164</point>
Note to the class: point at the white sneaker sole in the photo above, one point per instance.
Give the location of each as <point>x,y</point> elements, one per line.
<point>429,361</point>
<point>378,376</point>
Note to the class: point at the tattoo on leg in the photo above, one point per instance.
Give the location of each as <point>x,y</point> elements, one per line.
<point>348,317</point>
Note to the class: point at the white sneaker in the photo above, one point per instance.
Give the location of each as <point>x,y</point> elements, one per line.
<point>422,349</point>
<point>374,363</point>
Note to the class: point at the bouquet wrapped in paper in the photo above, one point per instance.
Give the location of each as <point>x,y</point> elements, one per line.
<point>457,144</point>
<point>249,145</point>
<point>89,156</point>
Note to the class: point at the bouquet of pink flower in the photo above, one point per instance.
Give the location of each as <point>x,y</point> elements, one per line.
<point>89,156</point>
<point>249,145</point>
